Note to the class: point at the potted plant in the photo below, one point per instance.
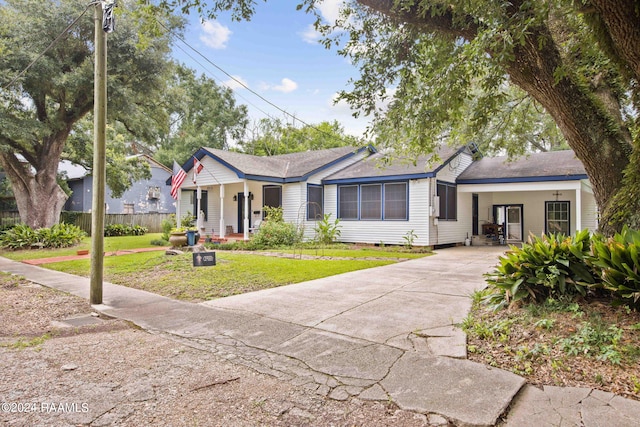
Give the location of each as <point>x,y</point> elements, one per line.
<point>178,237</point>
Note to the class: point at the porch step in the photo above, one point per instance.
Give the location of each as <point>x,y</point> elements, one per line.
<point>482,240</point>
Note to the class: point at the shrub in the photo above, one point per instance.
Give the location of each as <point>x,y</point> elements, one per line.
<point>24,237</point>
<point>548,266</point>
<point>617,261</point>
<point>124,230</point>
<point>274,213</point>
<point>327,231</point>
<point>274,234</point>
<point>167,226</point>
<point>60,235</point>
<point>20,236</point>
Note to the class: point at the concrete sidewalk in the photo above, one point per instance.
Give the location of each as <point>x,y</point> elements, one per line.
<point>385,333</point>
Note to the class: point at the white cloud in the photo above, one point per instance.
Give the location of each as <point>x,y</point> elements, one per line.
<point>286,85</point>
<point>215,34</point>
<point>330,12</point>
<point>236,82</point>
<point>330,9</point>
<point>310,35</point>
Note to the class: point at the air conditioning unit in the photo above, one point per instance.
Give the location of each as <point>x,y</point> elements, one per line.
<point>153,194</point>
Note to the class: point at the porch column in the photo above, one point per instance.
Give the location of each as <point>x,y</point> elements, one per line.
<point>579,208</point>
<point>246,211</point>
<point>178,205</point>
<point>221,232</point>
<point>199,219</point>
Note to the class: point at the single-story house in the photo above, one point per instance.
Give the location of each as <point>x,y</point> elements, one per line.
<point>144,196</point>
<point>439,199</point>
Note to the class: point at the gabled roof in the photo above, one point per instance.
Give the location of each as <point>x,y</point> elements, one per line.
<point>282,168</point>
<point>548,166</point>
<point>372,169</point>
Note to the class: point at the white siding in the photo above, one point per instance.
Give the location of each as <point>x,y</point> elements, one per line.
<point>387,232</point>
<point>533,203</point>
<point>294,196</point>
<point>297,206</point>
<point>213,173</point>
<point>589,209</point>
<point>453,231</point>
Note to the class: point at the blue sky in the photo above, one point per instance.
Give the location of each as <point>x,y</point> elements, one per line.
<point>277,55</point>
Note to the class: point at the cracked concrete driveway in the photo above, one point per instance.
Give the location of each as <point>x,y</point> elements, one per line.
<point>386,333</point>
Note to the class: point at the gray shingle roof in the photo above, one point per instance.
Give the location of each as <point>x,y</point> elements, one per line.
<point>373,167</point>
<point>548,164</point>
<point>293,165</point>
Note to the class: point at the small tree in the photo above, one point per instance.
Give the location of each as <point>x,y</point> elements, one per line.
<point>327,231</point>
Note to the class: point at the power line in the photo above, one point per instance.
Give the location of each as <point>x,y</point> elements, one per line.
<point>52,44</point>
<point>241,83</point>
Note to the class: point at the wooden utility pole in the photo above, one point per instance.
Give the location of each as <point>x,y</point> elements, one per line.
<point>99,158</point>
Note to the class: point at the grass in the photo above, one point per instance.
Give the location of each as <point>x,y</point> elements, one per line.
<point>21,344</point>
<point>234,273</point>
<point>111,244</point>
<point>356,252</point>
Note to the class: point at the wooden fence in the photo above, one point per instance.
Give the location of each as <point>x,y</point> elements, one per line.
<point>152,221</point>
<point>9,218</point>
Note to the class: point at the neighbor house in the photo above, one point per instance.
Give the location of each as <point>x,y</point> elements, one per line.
<point>144,196</point>
<point>440,199</point>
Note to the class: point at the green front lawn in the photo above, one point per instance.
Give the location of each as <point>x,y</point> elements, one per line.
<point>111,244</point>
<point>359,252</point>
<point>234,273</point>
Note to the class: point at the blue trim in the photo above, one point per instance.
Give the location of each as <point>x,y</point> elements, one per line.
<point>378,179</point>
<point>382,201</point>
<point>445,216</point>
<point>522,179</point>
<point>321,187</point>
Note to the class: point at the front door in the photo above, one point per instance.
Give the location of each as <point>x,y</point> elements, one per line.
<point>241,212</point>
<point>513,231</point>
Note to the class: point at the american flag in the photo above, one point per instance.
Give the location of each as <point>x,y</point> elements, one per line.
<point>197,167</point>
<point>177,179</point>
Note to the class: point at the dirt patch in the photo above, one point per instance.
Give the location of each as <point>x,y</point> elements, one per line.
<point>588,344</point>
<point>112,373</point>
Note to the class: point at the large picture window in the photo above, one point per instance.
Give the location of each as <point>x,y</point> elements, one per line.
<point>557,217</point>
<point>348,202</point>
<point>448,194</point>
<point>371,201</point>
<point>315,205</point>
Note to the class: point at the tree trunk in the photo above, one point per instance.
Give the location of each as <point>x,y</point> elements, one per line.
<point>593,129</point>
<point>38,196</point>
<point>589,118</point>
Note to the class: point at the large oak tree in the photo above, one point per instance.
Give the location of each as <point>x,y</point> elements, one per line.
<point>45,106</point>
<point>448,67</point>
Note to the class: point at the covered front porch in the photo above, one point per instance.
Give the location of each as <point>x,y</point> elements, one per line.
<point>510,212</point>
<point>229,210</point>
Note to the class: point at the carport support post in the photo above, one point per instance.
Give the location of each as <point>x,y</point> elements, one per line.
<point>99,158</point>
<point>246,211</point>
<point>221,233</point>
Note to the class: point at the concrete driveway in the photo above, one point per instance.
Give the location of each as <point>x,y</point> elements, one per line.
<point>387,333</point>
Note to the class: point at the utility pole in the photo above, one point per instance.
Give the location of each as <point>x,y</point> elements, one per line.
<point>99,158</point>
